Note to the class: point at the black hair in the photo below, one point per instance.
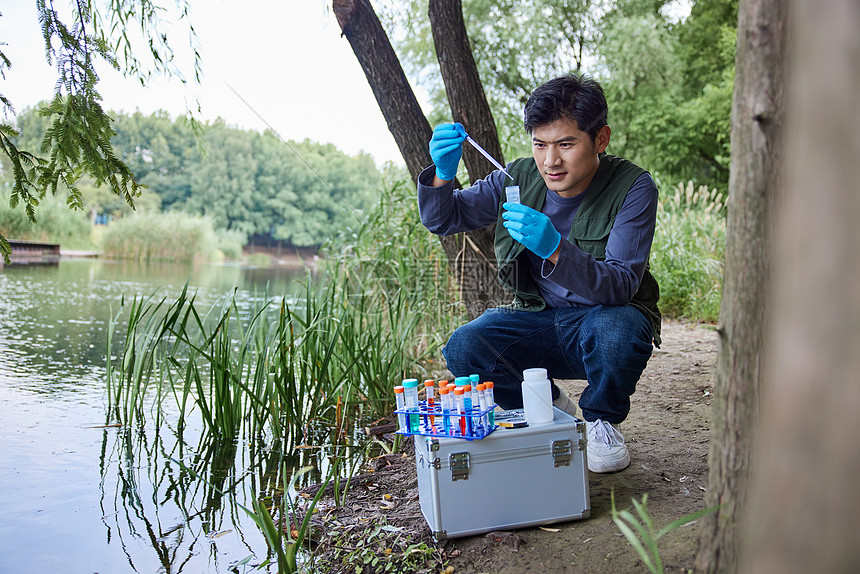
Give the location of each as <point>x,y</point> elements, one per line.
<point>575,97</point>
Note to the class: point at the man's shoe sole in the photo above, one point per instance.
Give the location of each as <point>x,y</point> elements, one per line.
<point>601,466</point>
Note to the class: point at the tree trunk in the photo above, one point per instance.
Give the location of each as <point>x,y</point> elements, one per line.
<point>469,106</point>
<point>754,181</point>
<point>406,122</point>
<point>463,85</point>
<point>470,255</point>
<point>804,511</point>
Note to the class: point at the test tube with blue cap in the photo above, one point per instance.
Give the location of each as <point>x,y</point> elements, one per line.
<point>410,387</point>
<point>467,410</point>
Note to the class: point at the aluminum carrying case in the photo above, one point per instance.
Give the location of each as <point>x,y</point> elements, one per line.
<point>515,477</point>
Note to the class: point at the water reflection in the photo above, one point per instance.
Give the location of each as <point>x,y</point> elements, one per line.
<point>115,499</point>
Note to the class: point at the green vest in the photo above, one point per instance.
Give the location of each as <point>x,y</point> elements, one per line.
<point>590,231</point>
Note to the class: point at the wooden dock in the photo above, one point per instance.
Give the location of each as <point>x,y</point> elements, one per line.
<point>33,253</point>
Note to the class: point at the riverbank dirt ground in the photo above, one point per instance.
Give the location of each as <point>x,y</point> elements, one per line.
<point>668,432</point>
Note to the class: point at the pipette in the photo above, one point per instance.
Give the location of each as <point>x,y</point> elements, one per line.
<point>487,155</point>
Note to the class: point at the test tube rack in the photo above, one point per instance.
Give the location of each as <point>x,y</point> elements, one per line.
<point>431,422</point>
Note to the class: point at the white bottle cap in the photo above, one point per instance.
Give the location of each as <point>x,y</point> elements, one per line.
<point>534,374</point>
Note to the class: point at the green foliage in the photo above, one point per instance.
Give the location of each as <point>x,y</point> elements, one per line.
<point>668,84</point>
<point>230,242</point>
<point>385,548</point>
<point>688,250</point>
<point>280,540</point>
<point>706,44</point>
<point>164,236</point>
<point>77,139</point>
<point>511,63</point>
<point>71,229</point>
<point>640,533</point>
<point>378,308</point>
<point>246,182</point>
<point>389,253</point>
<point>260,259</point>
<point>298,192</point>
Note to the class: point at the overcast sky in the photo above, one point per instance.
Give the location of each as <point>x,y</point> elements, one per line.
<point>285,58</point>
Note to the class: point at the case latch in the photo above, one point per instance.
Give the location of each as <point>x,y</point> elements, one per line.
<point>561,452</point>
<point>459,463</point>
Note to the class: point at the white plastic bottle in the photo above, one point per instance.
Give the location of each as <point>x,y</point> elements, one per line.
<point>537,397</point>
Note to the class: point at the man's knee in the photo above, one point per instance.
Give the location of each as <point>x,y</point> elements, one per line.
<point>621,333</point>
<point>471,348</point>
<point>461,352</point>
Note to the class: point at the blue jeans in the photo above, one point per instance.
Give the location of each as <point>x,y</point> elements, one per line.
<point>608,346</point>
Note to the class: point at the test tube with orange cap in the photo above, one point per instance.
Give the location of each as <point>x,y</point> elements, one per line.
<point>401,405</point>
<point>430,391</point>
<point>461,409</point>
<point>491,402</point>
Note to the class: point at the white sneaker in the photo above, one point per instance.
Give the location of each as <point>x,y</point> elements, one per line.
<point>606,449</point>
<point>565,403</point>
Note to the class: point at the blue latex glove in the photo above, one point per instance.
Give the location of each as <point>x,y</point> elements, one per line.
<point>446,149</point>
<point>531,228</point>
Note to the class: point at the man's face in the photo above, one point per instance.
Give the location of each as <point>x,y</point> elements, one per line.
<point>567,157</point>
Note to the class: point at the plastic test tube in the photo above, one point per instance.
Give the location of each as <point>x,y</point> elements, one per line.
<point>491,402</point>
<point>476,402</point>
<point>467,408</point>
<point>476,408</point>
<point>461,409</point>
<point>401,403</point>
<point>411,391</point>
<point>446,418</point>
<point>485,405</point>
<point>442,384</point>
<point>430,390</point>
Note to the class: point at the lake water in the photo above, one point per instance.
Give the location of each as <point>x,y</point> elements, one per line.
<point>77,496</point>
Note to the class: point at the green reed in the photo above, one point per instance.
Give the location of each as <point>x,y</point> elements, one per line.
<point>275,369</point>
<point>172,236</point>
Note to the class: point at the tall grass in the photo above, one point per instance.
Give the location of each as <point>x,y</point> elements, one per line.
<point>169,236</point>
<point>281,368</point>
<point>688,251</point>
<point>396,267</point>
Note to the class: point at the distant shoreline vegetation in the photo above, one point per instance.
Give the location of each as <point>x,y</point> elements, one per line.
<point>171,236</point>
<point>248,183</point>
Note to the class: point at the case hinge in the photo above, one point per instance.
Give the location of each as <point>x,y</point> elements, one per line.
<point>459,463</point>
<point>437,463</point>
<point>561,452</point>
